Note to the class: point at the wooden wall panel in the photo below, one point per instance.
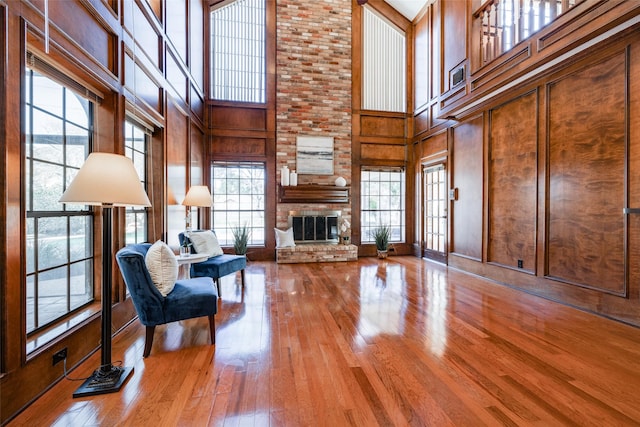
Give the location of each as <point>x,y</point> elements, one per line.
<point>432,145</point>
<point>587,144</point>
<point>421,61</point>
<point>144,32</point>
<point>467,177</point>
<point>513,183</point>
<point>95,39</point>
<point>238,146</point>
<point>384,152</point>
<point>177,134</point>
<point>382,126</point>
<point>176,76</point>
<point>237,118</point>
<point>196,41</point>
<point>455,15</point>
<point>176,26</point>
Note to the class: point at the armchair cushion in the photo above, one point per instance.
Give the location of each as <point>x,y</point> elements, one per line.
<point>205,242</point>
<point>162,266</point>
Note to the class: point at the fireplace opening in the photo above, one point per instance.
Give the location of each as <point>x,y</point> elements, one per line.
<point>315,226</point>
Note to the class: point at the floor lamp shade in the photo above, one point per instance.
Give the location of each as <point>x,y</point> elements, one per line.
<point>106,180</point>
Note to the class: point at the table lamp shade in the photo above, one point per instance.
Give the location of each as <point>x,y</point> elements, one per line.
<point>198,195</point>
<point>106,179</point>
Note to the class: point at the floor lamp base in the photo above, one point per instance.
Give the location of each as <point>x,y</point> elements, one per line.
<point>104,381</point>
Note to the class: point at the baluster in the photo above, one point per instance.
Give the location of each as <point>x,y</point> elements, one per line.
<point>553,13</point>
<point>531,18</point>
<point>483,58</point>
<point>512,28</point>
<point>520,20</point>
<point>565,6</point>
<point>497,39</point>
<point>489,49</point>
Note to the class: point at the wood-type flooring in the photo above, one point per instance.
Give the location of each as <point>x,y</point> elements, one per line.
<point>401,342</point>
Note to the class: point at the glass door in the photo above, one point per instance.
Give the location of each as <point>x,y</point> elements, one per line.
<point>435,212</point>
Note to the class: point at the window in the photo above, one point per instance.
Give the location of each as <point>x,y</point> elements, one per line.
<point>384,64</point>
<point>59,241</point>
<point>135,147</point>
<point>238,199</point>
<point>238,70</point>
<point>382,202</point>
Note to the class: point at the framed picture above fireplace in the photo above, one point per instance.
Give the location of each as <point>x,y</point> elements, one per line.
<point>314,155</point>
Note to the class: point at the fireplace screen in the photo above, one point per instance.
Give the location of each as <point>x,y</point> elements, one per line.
<point>315,227</point>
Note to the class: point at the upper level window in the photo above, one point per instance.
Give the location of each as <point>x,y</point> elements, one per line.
<point>384,64</point>
<point>135,147</point>
<point>382,193</point>
<point>59,243</point>
<point>238,70</point>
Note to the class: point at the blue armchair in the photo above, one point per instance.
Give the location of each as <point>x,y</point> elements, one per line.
<point>189,298</point>
<point>217,266</point>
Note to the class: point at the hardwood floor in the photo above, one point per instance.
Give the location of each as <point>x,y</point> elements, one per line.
<point>390,343</point>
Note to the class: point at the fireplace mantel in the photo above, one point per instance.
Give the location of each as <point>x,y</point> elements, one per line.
<point>313,193</point>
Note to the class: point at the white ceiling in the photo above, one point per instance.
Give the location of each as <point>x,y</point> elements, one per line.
<point>409,8</point>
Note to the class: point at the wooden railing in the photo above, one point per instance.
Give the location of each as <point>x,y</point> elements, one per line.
<point>505,23</point>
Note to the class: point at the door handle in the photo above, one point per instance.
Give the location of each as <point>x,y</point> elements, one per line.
<point>628,211</point>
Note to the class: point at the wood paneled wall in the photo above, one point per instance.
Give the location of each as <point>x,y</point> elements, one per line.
<point>146,59</point>
<point>545,165</point>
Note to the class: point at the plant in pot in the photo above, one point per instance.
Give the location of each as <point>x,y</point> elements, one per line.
<point>241,235</point>
<point>381,235</point>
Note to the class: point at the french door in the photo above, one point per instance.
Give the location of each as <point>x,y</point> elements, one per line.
<point>434,219</point>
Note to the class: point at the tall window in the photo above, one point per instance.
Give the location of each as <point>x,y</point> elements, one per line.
<point>238,200</point>
<point>238,70</point>
<point>382,202</point>
<point>135,146</point>
<point>384,64</point>
<point>59,240</point>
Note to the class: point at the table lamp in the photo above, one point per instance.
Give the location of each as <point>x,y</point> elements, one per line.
<point>198,195</point>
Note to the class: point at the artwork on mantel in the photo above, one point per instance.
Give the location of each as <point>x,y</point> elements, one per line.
<point>314,155</point>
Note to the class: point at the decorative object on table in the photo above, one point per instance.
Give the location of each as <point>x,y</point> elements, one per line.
<point>314,155</point>
<point>185,249</point>
<point>106,180</point>
<point>241,235</point>
<point>190,298</point>
<point>293,178</point>
<point>284,176</point>
<point>199,196</point>
<point>344,231</point>
<point>381,235</point>
<point>341,182</point>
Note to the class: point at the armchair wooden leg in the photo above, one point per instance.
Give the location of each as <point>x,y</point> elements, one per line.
<point>148,340</point>
<point>218,285</point>
<point>212,328</point>
<point>242,276</point>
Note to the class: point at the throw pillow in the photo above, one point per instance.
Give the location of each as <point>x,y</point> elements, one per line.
<point>163,267</point>
<point>284,239</point>
<point>206,242</point>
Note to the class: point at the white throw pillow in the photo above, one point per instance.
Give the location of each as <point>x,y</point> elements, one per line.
<point>163,267</point>
<point>284,239</point>
<point>206,242</point>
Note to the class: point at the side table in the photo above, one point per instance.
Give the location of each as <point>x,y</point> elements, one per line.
<point>187,260</point>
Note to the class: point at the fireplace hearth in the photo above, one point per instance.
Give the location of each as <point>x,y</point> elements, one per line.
<point>315,226</point>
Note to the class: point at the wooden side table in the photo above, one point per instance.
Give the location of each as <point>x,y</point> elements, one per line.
<point>187,260</point>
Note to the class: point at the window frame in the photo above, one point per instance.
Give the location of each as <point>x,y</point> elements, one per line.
<point>366,227</point>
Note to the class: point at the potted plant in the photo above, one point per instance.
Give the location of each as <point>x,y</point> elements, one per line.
<point>241,235</point>
<point>381,235</point>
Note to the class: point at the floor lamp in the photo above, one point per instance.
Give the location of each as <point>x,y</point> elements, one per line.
<point>106,180</point>
<point>199,196</point>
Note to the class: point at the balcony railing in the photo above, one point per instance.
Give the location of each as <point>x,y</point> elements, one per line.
<point>505,23</point>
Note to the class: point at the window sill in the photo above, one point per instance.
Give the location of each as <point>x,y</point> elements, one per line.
<point>42,338</point>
